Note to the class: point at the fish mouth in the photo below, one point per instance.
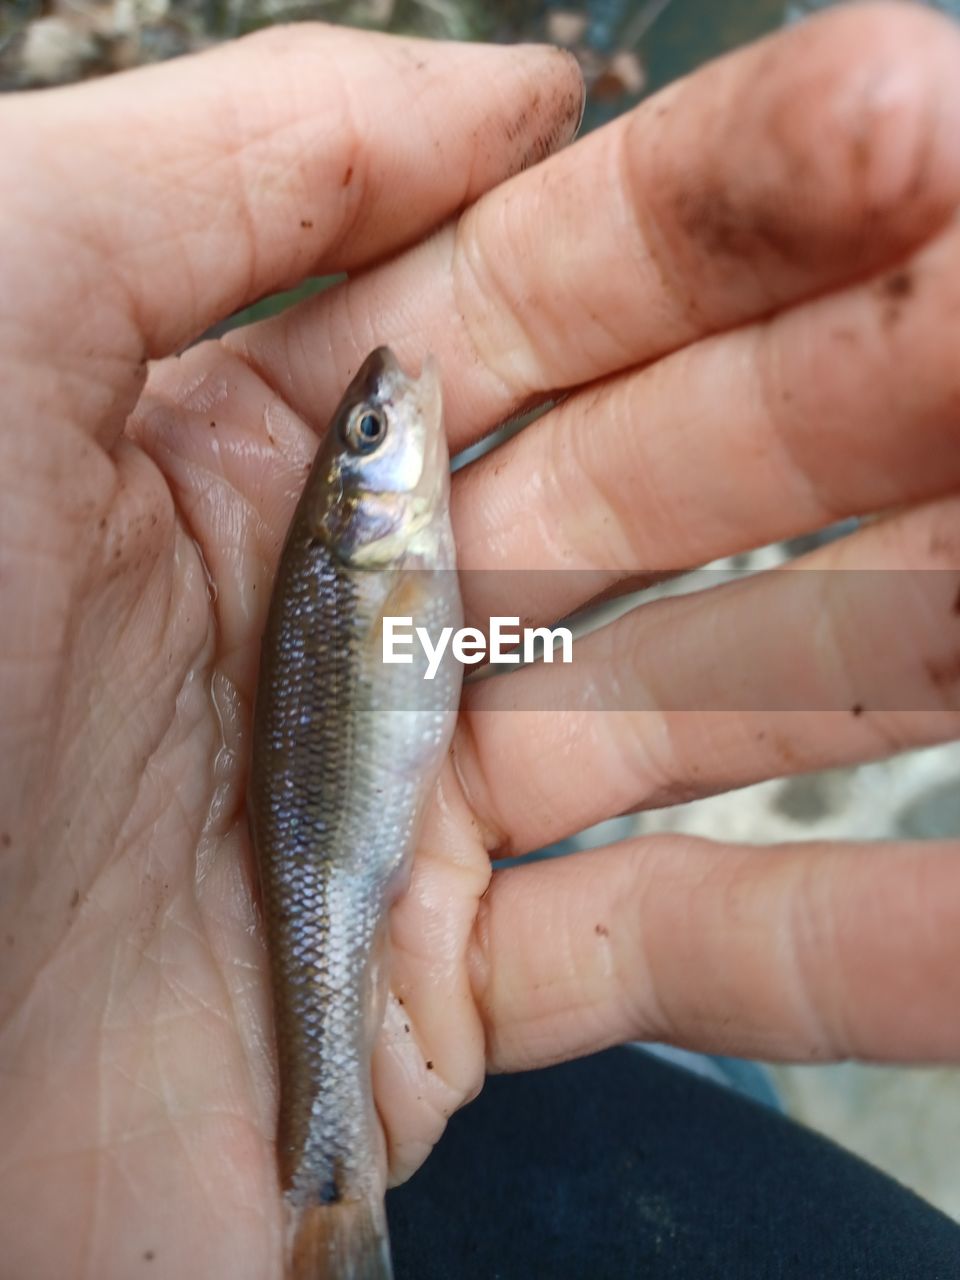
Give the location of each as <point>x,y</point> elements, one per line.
<point>434,483</point>
<point>428,393</point>
<point>378,374</point>
<point>382,379</point>
<point>423,397</point>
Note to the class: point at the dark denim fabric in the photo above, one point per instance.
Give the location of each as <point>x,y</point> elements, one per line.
<point>621,1165</point>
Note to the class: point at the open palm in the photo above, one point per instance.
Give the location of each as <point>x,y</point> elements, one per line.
<point>670,262</point>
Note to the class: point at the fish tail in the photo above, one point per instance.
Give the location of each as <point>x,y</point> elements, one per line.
<point>346,1240</point>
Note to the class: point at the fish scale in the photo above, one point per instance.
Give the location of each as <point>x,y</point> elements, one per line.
<point>346,751</point>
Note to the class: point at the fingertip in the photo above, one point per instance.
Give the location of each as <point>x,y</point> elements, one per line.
<point>296,151</point>
<point>549,109</point>
<point>576,102</point>
<point>571,95</point>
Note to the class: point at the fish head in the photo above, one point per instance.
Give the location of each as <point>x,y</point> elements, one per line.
<point>379,490</point>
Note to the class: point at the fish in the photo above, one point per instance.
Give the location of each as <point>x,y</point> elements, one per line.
<point>346,751</point>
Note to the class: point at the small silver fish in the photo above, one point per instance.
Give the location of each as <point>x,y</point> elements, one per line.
<point>346,752</point>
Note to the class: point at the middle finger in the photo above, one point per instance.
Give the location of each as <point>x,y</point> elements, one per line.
<point>744,439</point>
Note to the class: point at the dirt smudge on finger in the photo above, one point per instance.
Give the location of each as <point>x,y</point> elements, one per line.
<point>898,285</point>
<point>562,112</point>
<point>895,291</point>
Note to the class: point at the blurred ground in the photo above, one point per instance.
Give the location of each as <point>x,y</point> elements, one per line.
<point>626,47</point>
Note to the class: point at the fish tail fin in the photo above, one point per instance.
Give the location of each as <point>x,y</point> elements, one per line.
<point>346,1240</point>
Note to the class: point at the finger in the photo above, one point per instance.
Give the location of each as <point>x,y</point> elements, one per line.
<point>176,194</point>
<point>774,174</point>
<point>805,952</point>
<point>742,440</point>
<point>852,656</point>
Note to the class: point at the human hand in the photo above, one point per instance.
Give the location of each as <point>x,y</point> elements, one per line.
<point>137,1101</point>
<point>708,254</point>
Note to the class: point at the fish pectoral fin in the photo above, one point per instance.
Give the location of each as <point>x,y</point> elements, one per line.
<point>407,598</point>
<point>345,1240</point>
<point>410,592</point>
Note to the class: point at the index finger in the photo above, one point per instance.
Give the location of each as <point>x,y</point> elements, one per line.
<point>786,169</point>
<point>176,194</point>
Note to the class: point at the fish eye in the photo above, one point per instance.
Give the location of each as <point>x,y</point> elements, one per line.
<point>365,429</point>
